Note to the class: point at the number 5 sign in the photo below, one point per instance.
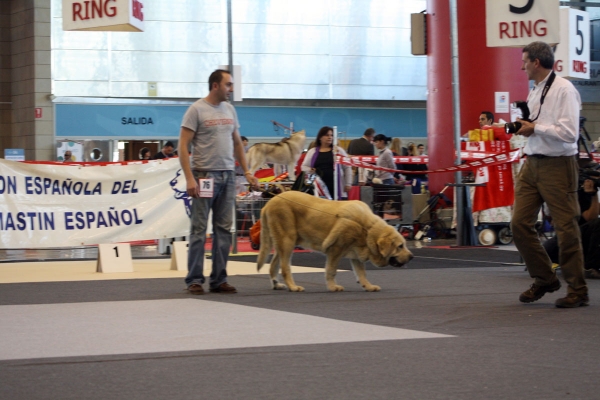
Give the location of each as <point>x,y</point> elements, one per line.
<point>572,56</point>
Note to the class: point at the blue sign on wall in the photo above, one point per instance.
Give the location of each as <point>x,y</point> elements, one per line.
<point>163,121</point>
<point>14,154</point>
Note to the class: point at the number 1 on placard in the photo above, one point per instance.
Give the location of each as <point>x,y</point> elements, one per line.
<point>116,249</point>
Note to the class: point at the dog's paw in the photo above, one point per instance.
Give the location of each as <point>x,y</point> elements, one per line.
<point>296,289</point>
<point>372,288</point>
<point>335,288</point>
<point>278,286</point>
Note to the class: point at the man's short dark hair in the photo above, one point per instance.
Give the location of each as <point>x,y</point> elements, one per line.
<point>168,144</point>
<point>420,145</point>
<point>244,138</point>
<point>488,115</point>
<point>216,77</point>
<point>382,137</point>
<point>541,51</point>
<point>369,132</point>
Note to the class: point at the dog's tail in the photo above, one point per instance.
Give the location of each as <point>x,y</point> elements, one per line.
<point>265,241</point>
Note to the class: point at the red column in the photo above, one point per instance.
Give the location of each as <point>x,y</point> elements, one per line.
<point>482,72</point>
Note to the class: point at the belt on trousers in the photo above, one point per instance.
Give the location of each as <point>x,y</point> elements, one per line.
<point>538,156</point>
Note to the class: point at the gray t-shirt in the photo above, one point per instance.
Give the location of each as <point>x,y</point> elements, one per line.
<point>212,144</point>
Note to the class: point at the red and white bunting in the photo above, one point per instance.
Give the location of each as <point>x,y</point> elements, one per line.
<point>496,159</point>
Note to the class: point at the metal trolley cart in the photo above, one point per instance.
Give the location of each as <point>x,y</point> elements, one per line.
<point>247,212</point>
<point>248,208</point>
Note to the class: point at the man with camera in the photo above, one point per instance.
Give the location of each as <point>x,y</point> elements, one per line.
<point>549,174</point>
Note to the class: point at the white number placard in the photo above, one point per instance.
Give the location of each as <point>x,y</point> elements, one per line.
<point>114,257</point>
<point>206,187</point>
<point>179,256</point>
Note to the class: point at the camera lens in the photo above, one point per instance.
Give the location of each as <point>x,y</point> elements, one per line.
<point>512,127</point>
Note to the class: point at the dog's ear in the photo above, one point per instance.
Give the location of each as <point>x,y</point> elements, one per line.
<point>385,244</point>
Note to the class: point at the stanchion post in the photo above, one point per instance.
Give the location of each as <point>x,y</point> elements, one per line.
<point>234,249</point>
<point>335,169</point>
<point>465,229</point>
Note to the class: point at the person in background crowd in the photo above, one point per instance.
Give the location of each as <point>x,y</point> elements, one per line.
<point>385,159</point>
<point>166,152</point>
<point>412,151</point>
<point>362,146</point>
<point>321,160</point>
<point>67,157</point>
<point>421,149</point>
<point>486,119</point>
<point>210,126</point>
<point>397,149</point>
<point>589,225</point>
<point>145,153</point>
<point>550,175</point>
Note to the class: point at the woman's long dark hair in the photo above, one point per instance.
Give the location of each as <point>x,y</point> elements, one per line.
<point>323,132</point>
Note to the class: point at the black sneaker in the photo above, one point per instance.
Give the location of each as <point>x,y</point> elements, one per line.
<point>573,300</point>
<point>536,292</point>
<point>592,274</point>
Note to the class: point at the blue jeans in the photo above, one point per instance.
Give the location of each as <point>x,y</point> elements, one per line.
<point>389,181</point>
<point>222,204</point>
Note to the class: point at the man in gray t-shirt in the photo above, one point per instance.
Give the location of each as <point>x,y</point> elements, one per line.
<point>210,126</point>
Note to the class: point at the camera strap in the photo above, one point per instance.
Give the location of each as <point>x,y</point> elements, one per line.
<point>545,92</point>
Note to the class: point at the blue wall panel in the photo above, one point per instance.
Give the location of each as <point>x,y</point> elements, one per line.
<point>163,121</point>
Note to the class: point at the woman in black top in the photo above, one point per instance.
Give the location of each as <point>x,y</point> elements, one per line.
<point>320,160</point>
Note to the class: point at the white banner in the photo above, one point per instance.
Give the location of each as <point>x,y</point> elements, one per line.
<point>56,205</point>
<point>516,23</point>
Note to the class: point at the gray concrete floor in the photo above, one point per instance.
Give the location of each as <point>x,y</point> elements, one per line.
<point>448,326</point>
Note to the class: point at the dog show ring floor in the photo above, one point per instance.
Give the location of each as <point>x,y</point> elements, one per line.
<point>448,325</point>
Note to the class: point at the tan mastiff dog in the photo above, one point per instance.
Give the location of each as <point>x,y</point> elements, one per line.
<point>338,229</point>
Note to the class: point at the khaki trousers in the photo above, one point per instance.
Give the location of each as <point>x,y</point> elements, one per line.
<point>552,180</point>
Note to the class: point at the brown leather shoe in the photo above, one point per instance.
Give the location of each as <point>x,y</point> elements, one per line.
<point>573,300</point>
<point>536,292</point>
<point>592,274</point>
<point>195,289</point>
<point>223,288</point>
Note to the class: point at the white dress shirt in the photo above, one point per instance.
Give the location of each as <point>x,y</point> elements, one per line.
<point>557,128</point>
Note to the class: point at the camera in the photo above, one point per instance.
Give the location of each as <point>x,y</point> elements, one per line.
<point>513,127</point>
<point>590,173</point>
